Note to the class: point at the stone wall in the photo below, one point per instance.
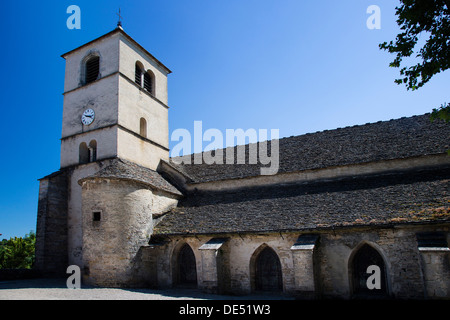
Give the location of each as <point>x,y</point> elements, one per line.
<point>323,270</point>
<point>111,245</point>
<point>51,226</point>
<point>129,54</point>
<point>74,218</point>
<point>436,270</point>
<point>398,248</point>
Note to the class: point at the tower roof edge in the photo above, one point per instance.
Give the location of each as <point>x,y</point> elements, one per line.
<point>111,33</point>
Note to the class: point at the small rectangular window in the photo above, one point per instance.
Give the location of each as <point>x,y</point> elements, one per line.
<point>96,216</point>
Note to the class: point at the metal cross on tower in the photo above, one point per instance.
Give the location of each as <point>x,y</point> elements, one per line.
<point>119,23</point>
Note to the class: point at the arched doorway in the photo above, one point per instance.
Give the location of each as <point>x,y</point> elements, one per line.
<point>364,257</point>
<point>186,267</point>
<point>267,271</point>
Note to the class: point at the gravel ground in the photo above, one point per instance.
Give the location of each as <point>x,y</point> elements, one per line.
<point>55,289</point>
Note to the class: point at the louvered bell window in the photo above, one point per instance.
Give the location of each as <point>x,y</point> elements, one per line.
<point>138,76</point>
<point>92,69</point>
<point>148,83</point>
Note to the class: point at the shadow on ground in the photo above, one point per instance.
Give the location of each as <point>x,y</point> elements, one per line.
<point>49,288</point>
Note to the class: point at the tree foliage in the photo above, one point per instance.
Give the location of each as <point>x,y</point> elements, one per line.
<point>443,112</point>
<point>426,21</point>
<point>18,252</point>
<point>421,18</point>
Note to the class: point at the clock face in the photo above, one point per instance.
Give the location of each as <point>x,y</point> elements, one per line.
<point>88,117</point>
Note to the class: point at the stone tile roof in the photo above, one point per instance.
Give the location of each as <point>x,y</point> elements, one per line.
<point>126,170</point>
<point>384,140</point>
<point>395,198</point>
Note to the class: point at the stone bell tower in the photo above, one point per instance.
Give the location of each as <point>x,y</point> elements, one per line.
<point>100,204</point>
<point>115,103</point>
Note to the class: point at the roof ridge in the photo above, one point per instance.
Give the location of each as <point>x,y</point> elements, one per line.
<point>306,134</point>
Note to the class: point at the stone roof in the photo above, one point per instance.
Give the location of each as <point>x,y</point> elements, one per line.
<point>394,198</point>
<point>383,140</point>
<point>126,170</point>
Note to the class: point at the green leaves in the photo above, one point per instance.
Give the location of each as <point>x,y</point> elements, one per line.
<point>428,20</point>
<point>442,113</point>
<point>18,253</point>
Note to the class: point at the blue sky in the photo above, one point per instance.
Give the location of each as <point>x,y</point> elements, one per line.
<point>297,66</point>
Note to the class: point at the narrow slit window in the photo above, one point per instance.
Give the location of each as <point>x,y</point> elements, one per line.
<point>143,128</point>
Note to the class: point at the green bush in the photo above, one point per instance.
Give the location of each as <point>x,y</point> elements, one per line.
<point>18,252</point>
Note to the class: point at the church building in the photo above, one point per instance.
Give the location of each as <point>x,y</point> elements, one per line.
<point>355,212</point>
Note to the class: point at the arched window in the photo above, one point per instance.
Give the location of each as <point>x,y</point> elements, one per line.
<point>92,69</point>
<point>149,81</point>
<point>139,73</point>
<point>143,128</point>
<point>144,79</point>
<point>364,257</point>
<point>92,151</point>
<point>266,269</point>
<point>87,153</point>
<point>83,155</point>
